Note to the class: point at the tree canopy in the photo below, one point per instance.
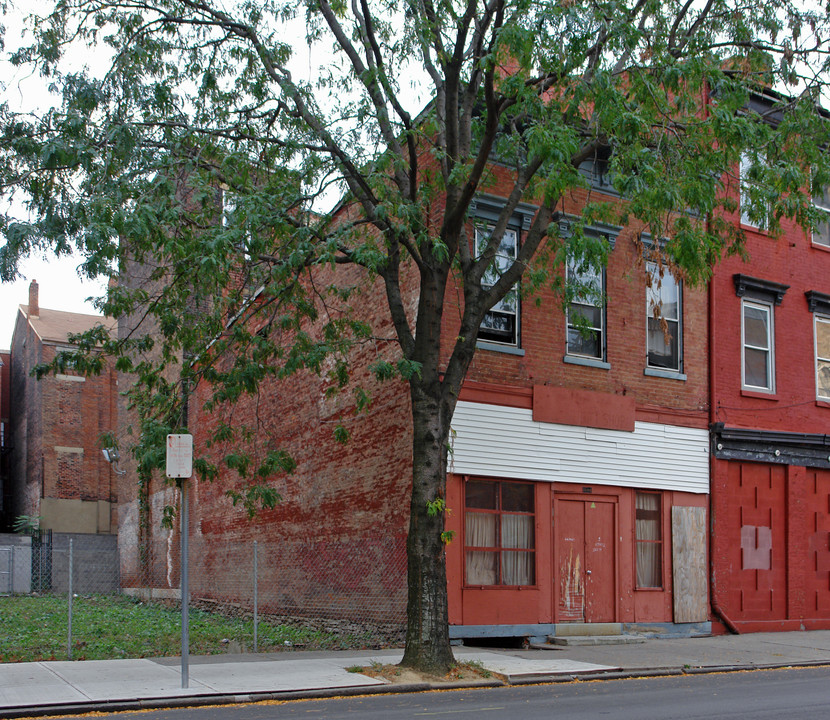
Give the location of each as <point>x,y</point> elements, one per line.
<point>235,155</point>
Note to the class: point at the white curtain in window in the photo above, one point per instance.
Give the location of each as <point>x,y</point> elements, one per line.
<point>649,558</point>
<point>480,531</point>
<point>517,567</point>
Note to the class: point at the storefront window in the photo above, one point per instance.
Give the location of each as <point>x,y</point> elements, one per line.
<point>499,541</point>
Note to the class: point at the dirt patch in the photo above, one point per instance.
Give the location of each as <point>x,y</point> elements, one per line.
<point>397,675</point>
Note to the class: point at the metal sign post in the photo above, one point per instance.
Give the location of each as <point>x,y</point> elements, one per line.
<point>180,467</point>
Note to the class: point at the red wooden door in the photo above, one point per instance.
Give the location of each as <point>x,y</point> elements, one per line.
<point>587,561</point>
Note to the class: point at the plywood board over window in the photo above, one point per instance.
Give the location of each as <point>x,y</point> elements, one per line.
<point>691,595</point>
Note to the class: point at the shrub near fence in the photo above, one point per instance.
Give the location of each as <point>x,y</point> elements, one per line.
<point>244,597</point>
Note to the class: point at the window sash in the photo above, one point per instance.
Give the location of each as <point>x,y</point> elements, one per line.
<point>757,366</point>
<point>648,523</point>
<point>822,352</point>
<point>821,234</point>
<point>744,184</point>
<point>663,341</point>
<point>499,544</point>
<point>501,322</point>
<point>586,337</point>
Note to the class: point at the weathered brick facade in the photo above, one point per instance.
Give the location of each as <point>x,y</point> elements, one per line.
<point>344,513</point>
<point>56,468</point>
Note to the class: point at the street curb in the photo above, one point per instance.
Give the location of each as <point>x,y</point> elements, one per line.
<point>170,703</point>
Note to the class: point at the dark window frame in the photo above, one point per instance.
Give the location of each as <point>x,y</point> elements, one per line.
<point>499,547</point>
<point>645,514</point>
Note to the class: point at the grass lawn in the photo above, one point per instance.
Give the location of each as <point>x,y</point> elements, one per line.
<point>116,626</point>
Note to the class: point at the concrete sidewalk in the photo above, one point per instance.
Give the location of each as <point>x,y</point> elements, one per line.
<point>44,688</point>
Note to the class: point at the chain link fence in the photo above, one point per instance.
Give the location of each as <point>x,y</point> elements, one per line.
<point>81,597</point>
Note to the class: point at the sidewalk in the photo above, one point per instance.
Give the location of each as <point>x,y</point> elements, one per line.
<point>46,688</point>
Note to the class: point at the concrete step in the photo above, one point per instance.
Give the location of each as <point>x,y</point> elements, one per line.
<point>582,629</point>
<point>577,640</point>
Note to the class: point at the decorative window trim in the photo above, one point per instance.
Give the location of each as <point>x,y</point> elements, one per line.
<point>758,289</point>
<point>489,208</point>
<point>818,302</point>
<point>566,223</point>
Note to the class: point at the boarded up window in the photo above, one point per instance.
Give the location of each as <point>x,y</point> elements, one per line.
<point>70,475</point>
<point>69,403</point>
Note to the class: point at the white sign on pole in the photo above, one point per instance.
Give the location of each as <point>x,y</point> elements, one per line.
<point>179,456</point>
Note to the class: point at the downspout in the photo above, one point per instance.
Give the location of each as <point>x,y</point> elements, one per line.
<point>716,608</point>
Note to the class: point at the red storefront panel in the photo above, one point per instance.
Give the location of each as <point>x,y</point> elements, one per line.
<point>817,574</point>
<point>759,542</point>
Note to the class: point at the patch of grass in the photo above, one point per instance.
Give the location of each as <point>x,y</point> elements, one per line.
<point>471,668</point>
<point>116,626</point>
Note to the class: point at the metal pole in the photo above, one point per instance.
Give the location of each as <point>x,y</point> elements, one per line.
<point>185,592</point>
<point>255,596</point>
<point>69,623</point>
<point>11,576</point>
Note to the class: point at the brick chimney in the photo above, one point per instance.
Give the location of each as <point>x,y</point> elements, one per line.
<point>34,304</point>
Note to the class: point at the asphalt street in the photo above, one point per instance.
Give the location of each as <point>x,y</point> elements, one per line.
<point>793,694</point>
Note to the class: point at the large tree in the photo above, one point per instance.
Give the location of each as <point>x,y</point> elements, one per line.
<point>368,151</point>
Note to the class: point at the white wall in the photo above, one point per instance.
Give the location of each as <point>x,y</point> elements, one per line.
<point>498,441</point>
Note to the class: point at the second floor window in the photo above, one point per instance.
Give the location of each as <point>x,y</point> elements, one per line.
<point>586,310</point>
<point>821,201</point>
<point>501,323</point>
<point>754,213</point>
<point>663,320</point>
<point>822,329</point>
<point>758,369</point>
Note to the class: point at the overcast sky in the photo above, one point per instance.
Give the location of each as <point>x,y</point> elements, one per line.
<point>61,287</point>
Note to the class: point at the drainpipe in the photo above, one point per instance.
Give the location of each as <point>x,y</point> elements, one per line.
<point>716,608</point>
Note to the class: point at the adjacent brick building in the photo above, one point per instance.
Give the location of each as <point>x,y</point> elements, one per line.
<point>770,377</point>
<point>5,443</point>
<point>56,469</point>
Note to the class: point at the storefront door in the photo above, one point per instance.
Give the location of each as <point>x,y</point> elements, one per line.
<point>587,560</point>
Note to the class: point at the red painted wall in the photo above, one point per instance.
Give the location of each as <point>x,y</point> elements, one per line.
<point>545,602</point>
<point>770,554</point>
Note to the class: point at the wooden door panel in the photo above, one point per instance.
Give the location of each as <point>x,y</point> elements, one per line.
<point>587,561</point>
<point>600,562</point>
<point>570,523</point>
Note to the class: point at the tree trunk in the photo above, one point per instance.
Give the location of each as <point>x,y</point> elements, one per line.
<point>427,632</point>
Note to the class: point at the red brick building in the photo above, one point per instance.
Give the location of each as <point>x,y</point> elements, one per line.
<point>770,376</point>
<point>56,469</point>
<point>579,476</point>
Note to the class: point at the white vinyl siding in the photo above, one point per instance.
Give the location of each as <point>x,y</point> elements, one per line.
<point>505,442</point>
